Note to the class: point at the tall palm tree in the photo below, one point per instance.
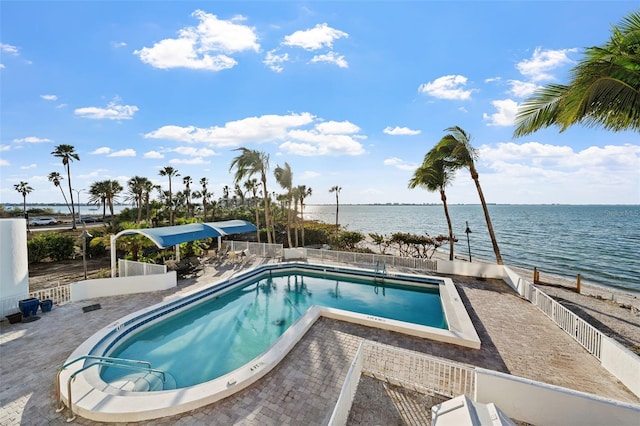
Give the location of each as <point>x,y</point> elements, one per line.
<point>107,191</point>
<point>251,185</point>
<point>97,195</point>
<point>337,190</point>
<point>56,178</point>
<point>456,149</point>
<point>24,189</point>
<point>604,89</point>
<point>136,189</point>
<point>147,188</point>
<point>284,177</point>
<point>435,176</point>
<point>248,163</point>
<point>205,196</point>
<point>187,192</point>
<point>170,172</point>
<point>67,154</point>
<point>304,192</point>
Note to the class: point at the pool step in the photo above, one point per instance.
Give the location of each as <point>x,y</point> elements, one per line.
<point>144,382</point>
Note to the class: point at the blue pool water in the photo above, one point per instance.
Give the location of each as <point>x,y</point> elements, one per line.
<point>223,333</point>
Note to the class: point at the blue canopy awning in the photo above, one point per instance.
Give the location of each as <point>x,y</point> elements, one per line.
<point>172,235</point>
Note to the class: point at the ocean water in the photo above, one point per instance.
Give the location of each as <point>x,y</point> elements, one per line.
<point>600,242</point>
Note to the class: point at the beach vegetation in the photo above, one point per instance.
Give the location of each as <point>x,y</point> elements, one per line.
<point>603,91</point>
<point>67,153</point>
<point>51,245</point>
<point>169,172</point>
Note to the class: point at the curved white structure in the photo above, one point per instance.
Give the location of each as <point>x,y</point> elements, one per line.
<point>14,265</point>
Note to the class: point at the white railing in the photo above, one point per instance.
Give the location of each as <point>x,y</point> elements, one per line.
<point>372,259</point>
<point>585,334</point>
<point>256,249</point>
<point>129,268</point>
<point>60,294</point>
<point>417,371</point>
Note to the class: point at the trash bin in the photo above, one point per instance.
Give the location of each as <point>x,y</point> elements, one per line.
<point>29,307</point>
<point>46,305</point>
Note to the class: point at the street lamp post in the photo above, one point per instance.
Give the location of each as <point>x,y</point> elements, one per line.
<point>84,237</point>
<point>78,191</point>
<point>468,231</point>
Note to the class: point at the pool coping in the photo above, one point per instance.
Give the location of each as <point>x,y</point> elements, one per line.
<point>96,400</point>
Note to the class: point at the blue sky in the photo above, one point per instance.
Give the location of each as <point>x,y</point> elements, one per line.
<point>347,93</point>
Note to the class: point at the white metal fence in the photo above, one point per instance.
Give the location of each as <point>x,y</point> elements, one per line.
<point>129,268</point>
<point>372,259</point>
<point>576,327</point>
<point>256,249</point>
<point>59,294</point>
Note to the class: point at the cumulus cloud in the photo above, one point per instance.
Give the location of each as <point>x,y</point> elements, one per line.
<point>447,87</point>
<point>123,153</point>
<point>275,61</point>
<point>522,89</point>
<point>5,148</point>
<point>505,115</point>
<point>30,166</point>
<point>4,163</point>
<point>337,127</point>
<point>265,128</point>
<point>101,150</point>
<point>194,152</point>
<point>542,62</point>
<point>191,161</point>
<point>318,37</point>
<point>32,139</point>
<point>400,164</point>
<point>113,111</point>
<point>206,46</point>
<point>331,58</point>
<point>155,155</point>
<point>400,131</point>
<point>330,138</point>
<point>7,48</point>
<point>49,97</point>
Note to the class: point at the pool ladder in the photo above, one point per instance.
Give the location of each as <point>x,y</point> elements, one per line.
<point>381,271</point>
<point>128,364</point>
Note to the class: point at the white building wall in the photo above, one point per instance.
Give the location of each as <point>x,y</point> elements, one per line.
<point>14,265</point>
<point>103,287</point>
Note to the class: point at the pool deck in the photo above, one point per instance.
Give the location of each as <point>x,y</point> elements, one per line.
<point>516,338</point>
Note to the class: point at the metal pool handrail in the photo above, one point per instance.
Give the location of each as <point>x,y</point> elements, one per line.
<point>129,364</point>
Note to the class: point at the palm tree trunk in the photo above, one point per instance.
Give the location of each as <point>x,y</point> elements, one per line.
<point>496,249</point>
<point>266,208</point>
<point>443,197</point>
<point>139,218</point>
<point>302,219</point>
<point>73,209</point>
<point>257,222</point>
<point>289,224</point>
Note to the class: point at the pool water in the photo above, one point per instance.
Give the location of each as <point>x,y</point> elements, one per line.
<point>223,333</point>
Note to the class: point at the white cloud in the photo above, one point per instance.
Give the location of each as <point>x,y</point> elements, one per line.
<point>337,127</point>
<point>400,164</point>
<point>101,150</point>
<point>7,48</point>
<point>5,148</point>
<point>61,106</point>
<point>542,62</point>
<point>4,163</point>
<point>322,35</point>
<point>194,152</point>
<point>313,142</point>
<point>400,131</point>
<point>49,97</point>
<point>275,61</point>
<point>332,58</point>
<point>113,111</point>
<point>153,155</point>
<point>261,129</point>
<point>505,115</point>
<point>309,174</point>
<point>192,161</point>
<point>2,66</point>
<point>32,139</point>
<point>204,47</point>
<point>522,89</point>
<point>118,44</point>
<point>447,87</point>
<point>123,153</point>
<point>30,166</point>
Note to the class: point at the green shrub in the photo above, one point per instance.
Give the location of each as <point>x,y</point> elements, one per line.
<point>57,247</point>
<point>37,249</point>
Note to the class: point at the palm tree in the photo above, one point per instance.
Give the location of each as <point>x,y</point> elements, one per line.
<point>205,196</point>
<point>456,149</point>
<point>107,192</point>
<point>435,176</point>
<point>24,189</point>
<point>251,185</point>
<point>97,195</point>
<point>337,190</point>
<point>170,172</point>
<point>304,192</point>
<point>147,188</point>
<point>604,89</point>
<point>248,163</point>
<point>187,192</point>
<point>67,154</point>
<point>136,188</point>
<point>284,177</point>
<point>55,177</point>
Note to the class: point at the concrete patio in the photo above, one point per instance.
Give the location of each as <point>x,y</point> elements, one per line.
<point>516,339</point>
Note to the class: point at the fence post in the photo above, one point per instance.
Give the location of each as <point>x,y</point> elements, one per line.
<point>578,284</point>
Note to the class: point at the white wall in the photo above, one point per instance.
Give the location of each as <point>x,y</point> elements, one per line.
<point>542,404</point>
<point>471,269</point>
<point>622,363</point>
<point>14,265</point>
<point>103,287</point>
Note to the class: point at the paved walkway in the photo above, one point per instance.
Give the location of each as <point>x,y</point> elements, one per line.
<point>516,338</point>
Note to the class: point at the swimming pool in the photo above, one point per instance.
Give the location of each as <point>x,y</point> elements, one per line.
<point>260,316</point>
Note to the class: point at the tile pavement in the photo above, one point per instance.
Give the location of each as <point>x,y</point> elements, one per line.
<point>516,338</point>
